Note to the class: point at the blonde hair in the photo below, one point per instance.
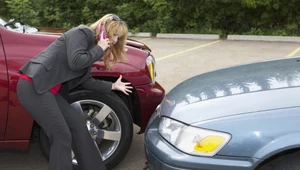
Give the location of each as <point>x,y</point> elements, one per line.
<point>112,26</point>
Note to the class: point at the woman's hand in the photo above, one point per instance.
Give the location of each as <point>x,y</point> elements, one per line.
<point>121,86</point>
<point>103,43</point>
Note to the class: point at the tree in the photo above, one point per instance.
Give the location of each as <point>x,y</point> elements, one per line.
<point>21,11</point>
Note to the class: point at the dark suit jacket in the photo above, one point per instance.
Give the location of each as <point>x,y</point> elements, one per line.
<point>67,60</point>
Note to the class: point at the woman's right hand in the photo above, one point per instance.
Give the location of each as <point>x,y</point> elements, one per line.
<point>122,86</point>
<point>103,43</point>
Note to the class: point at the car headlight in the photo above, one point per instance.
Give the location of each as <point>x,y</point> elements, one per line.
<point>150,61</point>
<point>192,140</point>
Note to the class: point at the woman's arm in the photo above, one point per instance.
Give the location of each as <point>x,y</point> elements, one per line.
<point>97,85</point>
<point>78,53</point>
<point>106,86</point>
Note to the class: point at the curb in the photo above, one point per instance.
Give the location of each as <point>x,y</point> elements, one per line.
<point>216,37</point>
<point>264,38</point>
<point>140,34</point>
<point>189,36</point>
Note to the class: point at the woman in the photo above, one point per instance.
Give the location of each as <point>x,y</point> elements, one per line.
<point>61,67</point>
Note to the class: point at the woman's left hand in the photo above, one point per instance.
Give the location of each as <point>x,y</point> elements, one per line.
<point>122,86</point>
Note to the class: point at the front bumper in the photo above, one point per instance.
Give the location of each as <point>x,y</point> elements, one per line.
<point>163,156</point>
<point>150,96</point>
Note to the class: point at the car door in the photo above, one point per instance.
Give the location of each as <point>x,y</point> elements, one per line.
<point>3,90</point>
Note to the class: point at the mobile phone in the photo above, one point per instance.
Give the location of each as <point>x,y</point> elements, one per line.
<point>104,34</point>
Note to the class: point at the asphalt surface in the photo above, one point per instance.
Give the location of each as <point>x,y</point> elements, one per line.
<point>177,60</point>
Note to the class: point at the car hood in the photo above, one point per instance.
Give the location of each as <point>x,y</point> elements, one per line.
<point>235,90</point>
<point>59,31</point>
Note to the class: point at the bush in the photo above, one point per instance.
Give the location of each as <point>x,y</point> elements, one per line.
<point>223,17</point>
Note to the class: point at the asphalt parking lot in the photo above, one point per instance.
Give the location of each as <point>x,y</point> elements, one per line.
<point>177,60</point>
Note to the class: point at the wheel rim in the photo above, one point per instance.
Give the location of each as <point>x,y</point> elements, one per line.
<point>103,124</point>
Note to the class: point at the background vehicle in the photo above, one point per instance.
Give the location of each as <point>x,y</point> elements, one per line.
<point>244,117</point>
<point>108,116</point>
<point>18,26</point>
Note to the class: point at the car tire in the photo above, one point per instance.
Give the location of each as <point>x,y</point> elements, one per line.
<point>289,162</point>
<point>120,114</point>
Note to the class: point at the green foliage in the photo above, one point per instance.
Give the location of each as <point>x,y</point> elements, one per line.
<point>138,16</point>
<point>21,10</point>
<point>3,10</point>
<point>223,17</point>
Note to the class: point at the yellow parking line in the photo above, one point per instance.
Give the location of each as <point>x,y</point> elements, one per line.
<point>294,52</point>
<point>145,39</point>
<point>191,49</point>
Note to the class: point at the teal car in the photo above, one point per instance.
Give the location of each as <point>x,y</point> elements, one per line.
<point>244,117</point>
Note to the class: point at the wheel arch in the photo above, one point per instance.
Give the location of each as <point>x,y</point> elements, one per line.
<point>278,149</point>
<point>275,159</point>
<point>131,101</point>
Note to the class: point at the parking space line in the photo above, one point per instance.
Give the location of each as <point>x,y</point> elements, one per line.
<point>145,39</point>
<point>191,49</point>
<point>294,52</point>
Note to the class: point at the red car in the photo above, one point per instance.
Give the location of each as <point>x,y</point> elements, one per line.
<point>109,118</point>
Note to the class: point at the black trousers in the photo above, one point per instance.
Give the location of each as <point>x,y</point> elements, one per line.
<point>64,126</point>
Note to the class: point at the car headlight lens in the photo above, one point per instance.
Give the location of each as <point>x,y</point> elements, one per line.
<point>192,140</point>
<point>150,61</point>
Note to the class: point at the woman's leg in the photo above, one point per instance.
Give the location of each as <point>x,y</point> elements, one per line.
<point>46,112</point>
<point>84,147</point>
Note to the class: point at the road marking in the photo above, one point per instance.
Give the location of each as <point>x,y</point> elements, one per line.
<point>294,52</point>
<point>145,39</point>
<point>191,49</point>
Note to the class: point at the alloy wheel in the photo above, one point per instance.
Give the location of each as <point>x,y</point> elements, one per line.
<point>103,125</point>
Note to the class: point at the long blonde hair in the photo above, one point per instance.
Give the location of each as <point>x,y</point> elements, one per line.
<point>112,26</point>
